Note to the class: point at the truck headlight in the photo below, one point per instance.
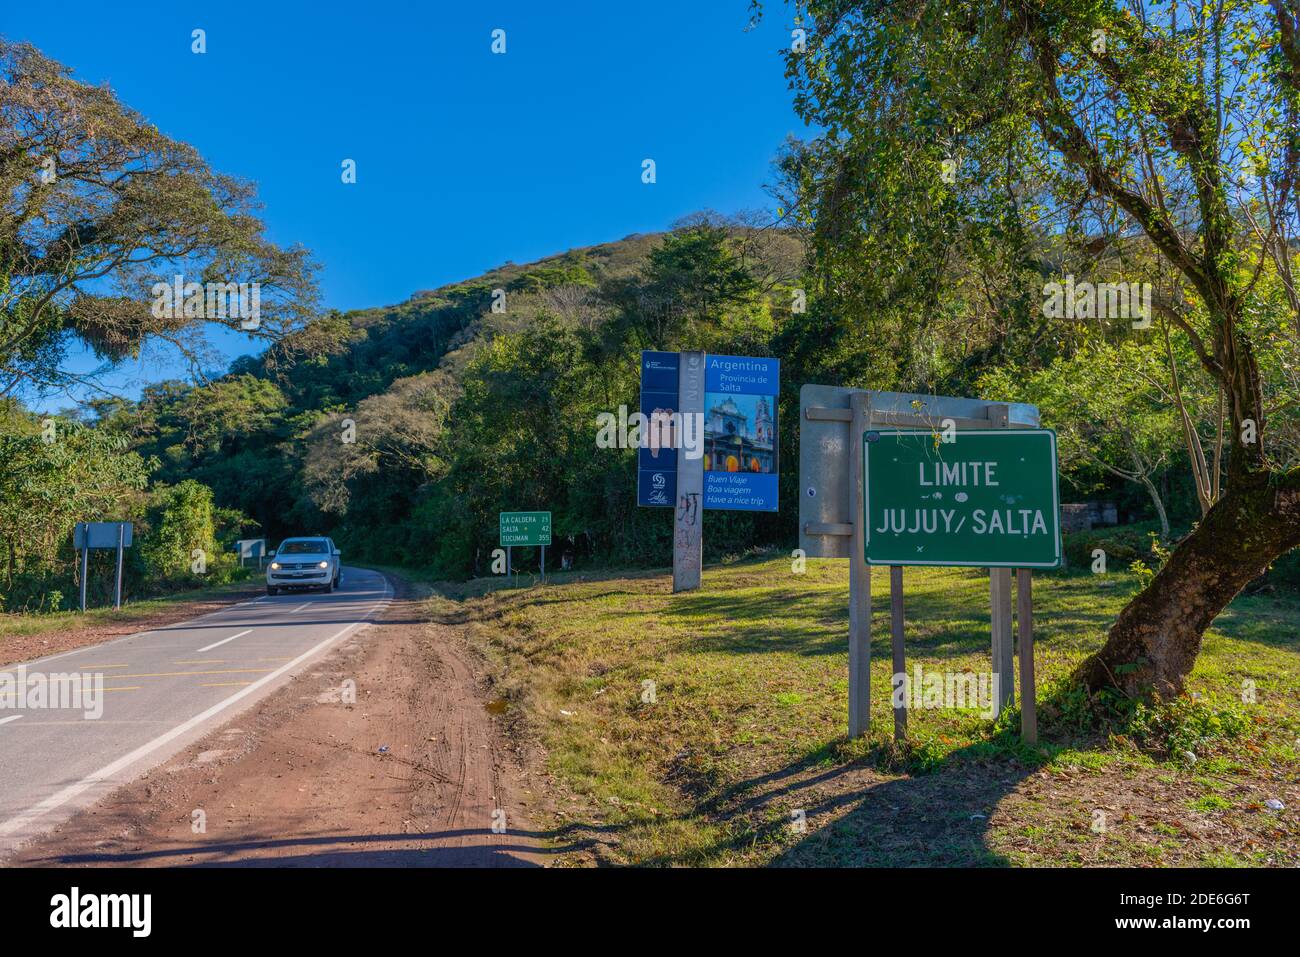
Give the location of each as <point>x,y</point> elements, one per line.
<point>275,566</point>
<point>324,565</point>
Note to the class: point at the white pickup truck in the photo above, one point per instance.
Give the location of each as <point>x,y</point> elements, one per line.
<point>309,562</point>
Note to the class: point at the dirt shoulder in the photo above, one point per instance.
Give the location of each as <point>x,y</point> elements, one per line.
<point>411,774</point>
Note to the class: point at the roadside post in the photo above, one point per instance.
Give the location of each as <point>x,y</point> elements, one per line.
<point>859,579</point>
<point>524,528</point>
<point>85,573</point>
<point>1025,625</point>
<point>117,590</point>
<point>88,535</point>
<point>898,479</point>
<point>688,519</point>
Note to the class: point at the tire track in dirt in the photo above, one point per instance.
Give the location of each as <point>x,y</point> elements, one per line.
<point>408,775</point>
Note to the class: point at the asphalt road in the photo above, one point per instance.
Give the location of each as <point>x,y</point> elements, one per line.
<point>162,690</point>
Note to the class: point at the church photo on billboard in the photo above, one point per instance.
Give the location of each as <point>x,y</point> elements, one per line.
<point>739,433</point>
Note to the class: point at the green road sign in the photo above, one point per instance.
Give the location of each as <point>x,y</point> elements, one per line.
<point>525,528</point>
<point>988,498</point>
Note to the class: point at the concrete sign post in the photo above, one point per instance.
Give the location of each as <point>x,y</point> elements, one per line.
<point>688,519</point>
<point>843,433</point>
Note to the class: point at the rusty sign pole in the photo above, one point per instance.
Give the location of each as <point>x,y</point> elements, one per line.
<point>1025,627</point>
<point>859,577</point>
<point>1000,602</point>
<point>85,565</point>
<point>688,516</point>
<point>117,592</point>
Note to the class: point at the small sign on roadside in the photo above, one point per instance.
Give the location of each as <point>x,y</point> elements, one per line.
<point>88,535</point>
<point>525,528</point>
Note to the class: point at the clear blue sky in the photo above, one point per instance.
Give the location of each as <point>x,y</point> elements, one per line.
<point>465,159</point>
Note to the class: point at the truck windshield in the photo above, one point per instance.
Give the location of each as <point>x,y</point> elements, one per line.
<point>303,546</point>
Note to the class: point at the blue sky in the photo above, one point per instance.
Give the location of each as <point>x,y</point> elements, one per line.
<point>465,159</point>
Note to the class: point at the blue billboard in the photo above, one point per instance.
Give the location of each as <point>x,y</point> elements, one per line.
<point>656,484</point>
<point>739,433</point>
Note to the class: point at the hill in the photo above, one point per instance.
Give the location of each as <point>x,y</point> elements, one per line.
<point>343,428</point>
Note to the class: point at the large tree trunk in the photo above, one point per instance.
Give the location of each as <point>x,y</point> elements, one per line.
<point>1256,522</point>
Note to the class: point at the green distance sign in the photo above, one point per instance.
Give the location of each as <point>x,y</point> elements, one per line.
<point>985,499</point>
<point>525,528</point>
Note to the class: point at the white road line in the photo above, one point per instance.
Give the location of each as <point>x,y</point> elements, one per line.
<point>12,717</point>
<point>223,641</point>
<point>300,608</point>
<point>72,790</point>
<point>173,626</point>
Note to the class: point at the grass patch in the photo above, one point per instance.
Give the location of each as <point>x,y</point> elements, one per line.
<point>708,727</point>
<point>57,622</point>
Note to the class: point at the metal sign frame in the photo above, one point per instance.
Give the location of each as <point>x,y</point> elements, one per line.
<point>88,535</point>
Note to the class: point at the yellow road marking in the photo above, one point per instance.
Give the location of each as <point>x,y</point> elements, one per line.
<point>178,674</point>
<point>273,659</point>
<point>131,688</point>
<point>89,667</point>
<point>202,661</point>
<point>226,684</point>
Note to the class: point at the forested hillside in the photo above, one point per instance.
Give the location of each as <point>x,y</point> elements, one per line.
<point>402,431</point>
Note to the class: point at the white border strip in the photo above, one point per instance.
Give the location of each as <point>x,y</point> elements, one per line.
<point>866,495</point>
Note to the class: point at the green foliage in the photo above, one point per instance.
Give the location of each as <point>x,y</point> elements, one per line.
<point>1160,554</point>
<point>56,472</point>
<point>182,523</point>
<point>119,210</point>
<point>1186,728</point>
<point>1172,729</point>
<point>1122,544</point>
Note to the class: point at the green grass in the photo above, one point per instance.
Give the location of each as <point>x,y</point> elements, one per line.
<point>12,625</point>
<point>708,728</point>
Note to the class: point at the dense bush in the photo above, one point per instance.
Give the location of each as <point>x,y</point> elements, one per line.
<point>58,472</point>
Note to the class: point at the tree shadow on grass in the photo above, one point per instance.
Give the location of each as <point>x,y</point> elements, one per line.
<point>813,624</point>
<point>872,803</point>
<point>935,819</point>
